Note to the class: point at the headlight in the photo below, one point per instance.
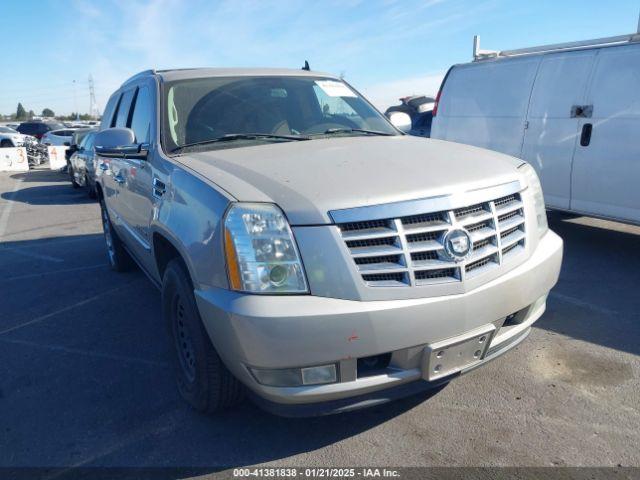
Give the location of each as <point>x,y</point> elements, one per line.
<point>261,253</point>
<point>536,191</point>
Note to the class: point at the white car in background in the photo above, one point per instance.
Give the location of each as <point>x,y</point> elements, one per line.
<point>58,137</point>
<point>11,138</point>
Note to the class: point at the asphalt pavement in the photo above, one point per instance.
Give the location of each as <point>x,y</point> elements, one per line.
<point>86,378</point>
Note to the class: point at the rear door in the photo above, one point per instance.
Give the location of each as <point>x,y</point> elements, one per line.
<point>606,167</point>
<point>553,121</point>
<point>114,177</point>
<point>485,104</point>
<point>136,194</point>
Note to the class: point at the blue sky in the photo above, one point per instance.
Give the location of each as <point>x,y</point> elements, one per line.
<point>385,48</point>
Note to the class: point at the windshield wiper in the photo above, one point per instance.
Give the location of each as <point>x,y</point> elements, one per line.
<point>240,136</point>
<point>332,131</point>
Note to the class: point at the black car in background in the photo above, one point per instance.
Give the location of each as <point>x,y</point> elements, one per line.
<point>38,129</point>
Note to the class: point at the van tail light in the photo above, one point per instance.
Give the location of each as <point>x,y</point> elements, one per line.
<point>436,103</point>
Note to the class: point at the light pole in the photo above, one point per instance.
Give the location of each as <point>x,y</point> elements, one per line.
<point>75,102</point>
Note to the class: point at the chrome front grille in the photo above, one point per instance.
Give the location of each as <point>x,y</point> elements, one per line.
<point>409,250</point>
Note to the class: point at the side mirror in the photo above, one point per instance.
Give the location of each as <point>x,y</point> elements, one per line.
<point>120,143</point>
<point>67,144</point>
<point>401,121</point>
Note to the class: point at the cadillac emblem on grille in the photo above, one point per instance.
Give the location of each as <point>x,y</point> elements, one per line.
<point>457,244</point>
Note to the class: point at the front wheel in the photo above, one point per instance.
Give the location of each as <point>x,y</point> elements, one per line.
<point>203,380</point>
<point>119,259</point>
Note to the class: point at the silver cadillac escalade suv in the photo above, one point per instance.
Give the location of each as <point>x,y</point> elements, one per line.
<point>309,253</point>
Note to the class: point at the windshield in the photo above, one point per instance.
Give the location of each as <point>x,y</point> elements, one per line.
<point>7,130</point>
<point>203,111</point>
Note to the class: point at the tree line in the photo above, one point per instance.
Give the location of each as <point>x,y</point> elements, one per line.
<point>22,114</point>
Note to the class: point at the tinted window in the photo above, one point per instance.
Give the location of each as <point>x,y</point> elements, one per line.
<point>107,116</point>
<point>141,119</point>
<point>123,109</point>
<point>87,141</point>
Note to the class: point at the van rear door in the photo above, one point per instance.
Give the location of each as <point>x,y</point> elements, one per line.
<point>552,127</point>
<point>606,166</point>
<point>485,104</point>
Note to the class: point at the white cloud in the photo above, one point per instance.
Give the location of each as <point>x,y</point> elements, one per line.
<point>385,94</point>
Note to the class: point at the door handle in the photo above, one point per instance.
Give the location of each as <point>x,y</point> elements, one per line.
<point>118,178</point>
<point>581,111</point>
<point>159,188</point>
<point>585,137</point>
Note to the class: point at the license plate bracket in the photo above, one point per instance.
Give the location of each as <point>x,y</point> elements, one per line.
<point>458,353</point>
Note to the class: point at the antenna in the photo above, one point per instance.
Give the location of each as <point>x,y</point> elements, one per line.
<point>306,66</point>
<point>638,30</point>
<point>93,105</point>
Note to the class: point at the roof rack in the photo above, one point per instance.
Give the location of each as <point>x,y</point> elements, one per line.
<point>479,55</point>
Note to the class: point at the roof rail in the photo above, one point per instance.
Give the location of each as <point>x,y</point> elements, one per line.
<point>479,55</point>
<point>138,75</point>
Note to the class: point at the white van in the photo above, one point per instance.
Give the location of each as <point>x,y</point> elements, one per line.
<point>572,111</point>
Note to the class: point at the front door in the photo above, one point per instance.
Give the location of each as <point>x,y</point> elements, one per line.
<point>553,121</point>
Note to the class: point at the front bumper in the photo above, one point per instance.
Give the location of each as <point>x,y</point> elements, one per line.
<point>295,331</point>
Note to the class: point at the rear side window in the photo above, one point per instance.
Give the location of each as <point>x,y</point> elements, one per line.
<point>87,141</point>
<point>491,89</point>
<point>142,113</point>
<point>107,116</point>
<point>123,108</point>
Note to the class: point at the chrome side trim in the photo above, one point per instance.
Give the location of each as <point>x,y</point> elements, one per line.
<point>424,205</point>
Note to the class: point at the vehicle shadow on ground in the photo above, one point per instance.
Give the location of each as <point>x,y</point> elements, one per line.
<point>86,372</point>
<point>606,312</point>
<point>41,174</point>
<point>60,194</point>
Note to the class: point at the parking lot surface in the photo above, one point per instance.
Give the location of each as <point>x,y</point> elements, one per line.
<point>86,375</point>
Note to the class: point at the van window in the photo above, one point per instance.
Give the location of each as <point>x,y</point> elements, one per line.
<point>493,89</point>
<point>123,109</point>
<point>615,90</point>
<point>142,112</point>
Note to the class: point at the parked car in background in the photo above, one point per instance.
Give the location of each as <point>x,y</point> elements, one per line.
<point>419,108</point>
<point>306,249</point>
<point>572,111</point>
<point>37,128</point>
<point>76,138</point>
<point>11,138</point>
<point>58,137</point>
<point>82,166</point>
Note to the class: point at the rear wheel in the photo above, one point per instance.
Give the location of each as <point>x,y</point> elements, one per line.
<point>91,189</point>
<point>119,258</point>
<point>203,380</point>
<point>6,143</point>
<point>72,177</point>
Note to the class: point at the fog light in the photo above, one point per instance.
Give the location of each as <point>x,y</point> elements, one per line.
<point>295,377</point>
<point>317,375</point>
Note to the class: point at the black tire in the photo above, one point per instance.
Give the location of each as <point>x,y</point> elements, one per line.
<point>119,258</point>
<point>203,379</point>
<point>74,184</point>
<point>91,189</point>
<point>6,143</point>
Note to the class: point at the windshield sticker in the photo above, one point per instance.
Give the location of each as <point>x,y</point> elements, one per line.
<point>335,89</point>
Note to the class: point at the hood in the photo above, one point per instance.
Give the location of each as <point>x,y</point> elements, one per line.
<point>308,179</point>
